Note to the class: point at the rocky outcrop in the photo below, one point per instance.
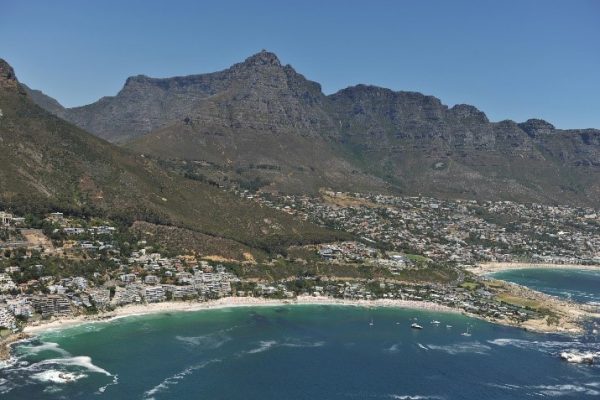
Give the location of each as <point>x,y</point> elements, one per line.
<point>8,79</point>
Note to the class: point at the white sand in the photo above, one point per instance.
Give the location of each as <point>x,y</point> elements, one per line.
<point>488,268</point>
<point>227,302</point>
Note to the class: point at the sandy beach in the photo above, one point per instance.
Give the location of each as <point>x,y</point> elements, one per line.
<point>226,302</point>
<point>491,267</point>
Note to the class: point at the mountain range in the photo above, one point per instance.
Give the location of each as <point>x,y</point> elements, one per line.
<point>265,126</point>
<point>49,164</point>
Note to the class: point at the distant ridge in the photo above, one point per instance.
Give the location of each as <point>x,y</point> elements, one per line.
<point>262,122</point>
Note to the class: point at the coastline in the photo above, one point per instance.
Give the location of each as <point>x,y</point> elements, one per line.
<point>32,330</point>
<point>7,342</point>
<point>227,302</point>
<point>572,313</point>
<point>492,267</point>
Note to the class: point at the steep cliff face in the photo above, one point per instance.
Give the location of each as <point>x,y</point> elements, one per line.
<point>406,121</point>
<point>258,94</point>
<point>425,147</point>
<point>262,121</point>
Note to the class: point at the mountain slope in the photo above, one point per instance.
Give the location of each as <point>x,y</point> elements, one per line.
<point>260,121</point>
<point>264,125</point>
<point>47,163</point>
<point>244,93</point>
<point>425,147</point>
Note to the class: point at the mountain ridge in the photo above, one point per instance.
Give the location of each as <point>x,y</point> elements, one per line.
<point>48,164</point>
<point>262,113</point>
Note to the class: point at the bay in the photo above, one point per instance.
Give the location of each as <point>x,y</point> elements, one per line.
<point>297,352</point>
<point>582,286</point>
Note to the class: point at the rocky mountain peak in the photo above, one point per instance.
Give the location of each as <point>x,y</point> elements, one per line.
<point>466,111</point>
<point>536,127</point>
<point>263,58</point>
<point>8,79</point>
<point>136,79</point>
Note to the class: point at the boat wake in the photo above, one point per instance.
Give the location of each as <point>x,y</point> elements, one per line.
<point>265,345</point>
<point>462,348</point>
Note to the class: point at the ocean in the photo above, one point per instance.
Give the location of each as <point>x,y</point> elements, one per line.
<point>299,352</point>
<point>582,286</point>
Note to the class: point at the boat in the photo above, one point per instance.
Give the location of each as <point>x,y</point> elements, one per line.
<point>467,333</point>
<point>578,358</point>
<point>435,322</point>
<point>371,323</point>
<point>414,325</point>
<point>448,326</point>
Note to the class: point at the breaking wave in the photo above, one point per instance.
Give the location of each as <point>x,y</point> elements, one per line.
<point>547,346</point>
<point>80,361</point>
<point>56,376</point>
<point>45,346</point>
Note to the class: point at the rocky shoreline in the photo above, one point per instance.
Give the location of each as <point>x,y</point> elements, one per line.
<point>7,342</point>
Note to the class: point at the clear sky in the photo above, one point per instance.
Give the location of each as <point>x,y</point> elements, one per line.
<point>512,59</point>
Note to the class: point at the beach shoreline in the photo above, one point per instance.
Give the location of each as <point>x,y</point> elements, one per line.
<point>492,267</point>
<point>227,302</point>
<point>132,310</point>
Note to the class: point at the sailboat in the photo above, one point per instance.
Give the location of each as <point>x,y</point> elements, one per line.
<point>371,323</point>
<point>468,332</point>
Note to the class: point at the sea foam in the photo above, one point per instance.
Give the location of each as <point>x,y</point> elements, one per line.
<point>56,376</point>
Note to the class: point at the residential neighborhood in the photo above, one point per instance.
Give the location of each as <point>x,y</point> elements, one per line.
<point>463,231</point>
<point>57,266</point>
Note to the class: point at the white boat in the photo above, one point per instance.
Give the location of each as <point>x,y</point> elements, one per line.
<point>578,358</point>
<point>371,323</point>
<point>448,326</point>
<point>435,322</point>
<point>467,333</point>
<point>416,326</point>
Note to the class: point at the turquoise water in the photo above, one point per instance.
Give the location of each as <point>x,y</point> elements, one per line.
<point>297,352</point>
<point>578,285</point>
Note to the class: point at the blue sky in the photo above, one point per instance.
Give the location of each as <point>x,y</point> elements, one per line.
<point>512,59</point>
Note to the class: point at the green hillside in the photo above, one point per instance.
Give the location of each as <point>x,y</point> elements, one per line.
<point>48,164</point>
